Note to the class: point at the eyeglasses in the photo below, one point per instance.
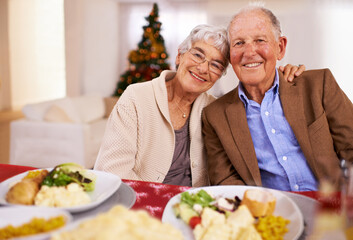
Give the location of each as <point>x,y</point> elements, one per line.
<point>199,57</point>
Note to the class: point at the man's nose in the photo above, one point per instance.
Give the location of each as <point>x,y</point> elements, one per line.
<point>249,49</point>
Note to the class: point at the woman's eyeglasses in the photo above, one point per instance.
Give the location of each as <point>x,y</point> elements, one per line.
<point>199,57</point>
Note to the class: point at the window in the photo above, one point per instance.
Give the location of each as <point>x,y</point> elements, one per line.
<point>37,50</point>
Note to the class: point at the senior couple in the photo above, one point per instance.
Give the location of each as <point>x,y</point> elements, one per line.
<point>272,130</point>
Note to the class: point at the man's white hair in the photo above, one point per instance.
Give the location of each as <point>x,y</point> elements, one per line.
<point>259,6</point>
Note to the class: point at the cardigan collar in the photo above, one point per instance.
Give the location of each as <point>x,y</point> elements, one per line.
<point>161,96</point>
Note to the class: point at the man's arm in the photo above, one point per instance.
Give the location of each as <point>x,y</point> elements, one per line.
<point>220,169</point>
<point>339,113</point>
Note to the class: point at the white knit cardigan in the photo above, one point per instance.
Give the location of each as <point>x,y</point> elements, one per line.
<point>139,138</point>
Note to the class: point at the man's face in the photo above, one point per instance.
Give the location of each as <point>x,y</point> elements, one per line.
<point>254,49</point>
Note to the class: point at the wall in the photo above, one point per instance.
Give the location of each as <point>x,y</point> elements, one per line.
<point>92,42</point>
<point>5,93</point>
<point>74,39</point>
<point>101,47</point>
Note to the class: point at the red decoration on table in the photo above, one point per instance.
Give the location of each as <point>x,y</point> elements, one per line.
<point>153,197</point>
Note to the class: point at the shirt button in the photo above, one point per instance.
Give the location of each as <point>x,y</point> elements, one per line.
<point>284,158</point>
<point>193,164</point>
<point>267,113</point>
<point>273,131</point>
<point>296,187</point>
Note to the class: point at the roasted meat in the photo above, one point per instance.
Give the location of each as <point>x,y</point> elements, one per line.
<point>25,191</point>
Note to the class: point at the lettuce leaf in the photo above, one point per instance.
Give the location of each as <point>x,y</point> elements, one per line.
<point>201,197</point>
<point>67,173</point>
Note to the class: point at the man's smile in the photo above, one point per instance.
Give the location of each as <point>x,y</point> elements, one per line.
<point>252,65</point>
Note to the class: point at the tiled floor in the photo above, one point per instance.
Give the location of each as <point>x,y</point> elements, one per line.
<point>5,118</point>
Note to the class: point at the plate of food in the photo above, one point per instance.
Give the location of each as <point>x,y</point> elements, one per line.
<point>228,212</point>
<point>32,223</point>
<point>119,222</point>
<point>67,186</point>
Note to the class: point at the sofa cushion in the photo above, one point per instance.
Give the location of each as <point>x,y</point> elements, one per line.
<point>37,111</point>
<point>89,108</point>
<point>56,114</point>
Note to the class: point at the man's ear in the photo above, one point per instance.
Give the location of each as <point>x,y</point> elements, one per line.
<point>282,43</point>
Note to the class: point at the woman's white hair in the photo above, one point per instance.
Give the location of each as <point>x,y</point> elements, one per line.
<point>205,32</point>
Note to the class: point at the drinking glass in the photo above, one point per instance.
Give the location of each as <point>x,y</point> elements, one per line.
<point>347,197</point>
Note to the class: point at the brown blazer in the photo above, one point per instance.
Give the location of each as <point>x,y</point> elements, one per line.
<point>321,117</point>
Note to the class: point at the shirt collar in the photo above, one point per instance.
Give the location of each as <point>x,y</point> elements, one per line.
<point>274,88</point>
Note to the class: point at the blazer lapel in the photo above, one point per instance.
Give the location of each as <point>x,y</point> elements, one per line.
<point>293,108</point>
<point>236,117</point>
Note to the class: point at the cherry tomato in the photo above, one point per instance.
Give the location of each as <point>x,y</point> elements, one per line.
<point>194,221</point>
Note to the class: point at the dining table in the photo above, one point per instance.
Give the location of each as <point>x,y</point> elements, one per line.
<point>153,197</point>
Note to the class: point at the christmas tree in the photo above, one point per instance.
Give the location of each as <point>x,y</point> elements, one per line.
<point>149,60</point>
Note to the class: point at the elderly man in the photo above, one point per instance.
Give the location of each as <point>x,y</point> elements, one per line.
<point>269,132</point>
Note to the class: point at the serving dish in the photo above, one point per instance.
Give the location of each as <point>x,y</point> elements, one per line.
<point>285,207</point>
<point>106,185</point>
<point>17,216</point>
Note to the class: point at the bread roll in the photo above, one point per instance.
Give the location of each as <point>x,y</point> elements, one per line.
<point>261,203</point>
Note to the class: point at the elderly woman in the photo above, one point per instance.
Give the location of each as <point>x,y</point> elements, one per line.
<point>154,131</point>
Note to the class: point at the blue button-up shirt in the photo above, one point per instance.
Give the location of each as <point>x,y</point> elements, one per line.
<point>281,161</point>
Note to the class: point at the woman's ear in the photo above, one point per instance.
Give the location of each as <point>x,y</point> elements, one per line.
<point>177,59</point>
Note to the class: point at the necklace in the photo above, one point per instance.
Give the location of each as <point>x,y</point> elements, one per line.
<point>184,115</point>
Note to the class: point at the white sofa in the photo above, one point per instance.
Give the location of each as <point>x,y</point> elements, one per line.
<point>60,131</point>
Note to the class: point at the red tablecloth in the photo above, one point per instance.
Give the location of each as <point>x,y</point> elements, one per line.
<point>150,196</point>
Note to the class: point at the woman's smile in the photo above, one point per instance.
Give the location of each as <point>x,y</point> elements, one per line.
<point>197,77</point>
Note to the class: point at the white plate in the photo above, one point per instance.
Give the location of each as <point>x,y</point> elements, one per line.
<point>17,216</point>
<point>285,207</point>
<point>106,185</point>
<point>125,196</point>
<point>307,206</point>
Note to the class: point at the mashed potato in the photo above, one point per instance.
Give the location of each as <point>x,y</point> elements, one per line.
<point>123,224</point>
<point>68,196</point>
<point>237,226</point>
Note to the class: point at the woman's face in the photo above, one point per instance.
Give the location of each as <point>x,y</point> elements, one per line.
<point>200,67</point>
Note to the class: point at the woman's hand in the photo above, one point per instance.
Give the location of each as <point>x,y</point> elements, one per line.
<point>291,71</point>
